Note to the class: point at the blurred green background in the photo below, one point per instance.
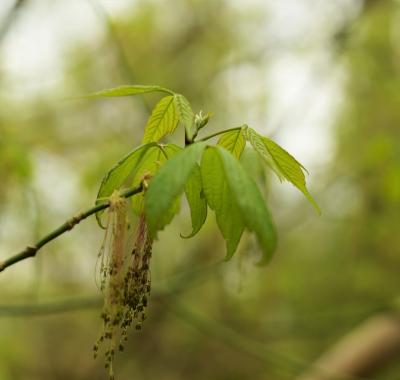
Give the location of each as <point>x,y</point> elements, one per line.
<point>321,78</point>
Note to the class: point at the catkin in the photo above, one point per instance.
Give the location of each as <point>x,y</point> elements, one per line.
<point>125,280</point>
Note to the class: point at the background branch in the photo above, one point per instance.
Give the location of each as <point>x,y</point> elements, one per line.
<point>10,17</point>
<point>127,69</point>
<point>31,251</point>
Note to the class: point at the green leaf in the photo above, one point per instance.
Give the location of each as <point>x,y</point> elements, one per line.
<point>197,201</point>
<point>126,91</point>
<point>186,115</point>
<point>254,166</point>
<point>281,162</point>
<point>153,159</point>
<point>257,143</point>
<point>163,120</point>
<point>233,141</point>
<point>168,215</point>
<point>220,199</point>
<point>120,173</point>
<point>250,203</point>
<point>290,168</point>
<point>168,184</point>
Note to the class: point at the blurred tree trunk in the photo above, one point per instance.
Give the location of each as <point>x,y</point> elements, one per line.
<point>364,350</point>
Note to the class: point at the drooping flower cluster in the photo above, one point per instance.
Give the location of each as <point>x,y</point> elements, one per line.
<point>125,279</point>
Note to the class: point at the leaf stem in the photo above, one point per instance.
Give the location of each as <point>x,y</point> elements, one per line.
<point>32,250</point>
<point>219,133</point>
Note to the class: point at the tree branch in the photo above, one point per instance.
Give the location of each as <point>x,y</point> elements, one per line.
<point>32,250</point>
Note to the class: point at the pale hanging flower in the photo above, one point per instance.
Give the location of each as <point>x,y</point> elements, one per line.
<point>125,278</point>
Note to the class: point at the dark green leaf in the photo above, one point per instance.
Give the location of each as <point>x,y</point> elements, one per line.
<point>250,203</point>
<point>168,184</point>
<point>220,199</point>
<point>197,201</point>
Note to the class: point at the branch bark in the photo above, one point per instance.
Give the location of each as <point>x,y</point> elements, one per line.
<point>31,250</point>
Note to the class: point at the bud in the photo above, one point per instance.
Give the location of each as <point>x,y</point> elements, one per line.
<point>201,120</point>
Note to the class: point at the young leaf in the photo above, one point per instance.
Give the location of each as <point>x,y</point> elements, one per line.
<point>186,115</point>
<point>153,159</point>
<point>220,199</point>
<point>163,120</point>
<point>119,173</point>
<point>281,162</point>
<point>197,201</point>
<point>250,203</point>
<point>168,184</point>
<point>257,143</point>
<point>233,141</point>
<point>126,91</point>
<point>254,166</point>
<point>291,169</point>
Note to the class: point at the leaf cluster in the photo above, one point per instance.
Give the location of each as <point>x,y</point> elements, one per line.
<point>210,175</point>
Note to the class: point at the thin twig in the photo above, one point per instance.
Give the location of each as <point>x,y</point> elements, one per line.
<point>32,250</point>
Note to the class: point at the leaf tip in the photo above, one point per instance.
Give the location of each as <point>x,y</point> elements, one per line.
<point>264,262</point>
<point>317,208</point>
<point>313,202</point>
<point>186,236</point>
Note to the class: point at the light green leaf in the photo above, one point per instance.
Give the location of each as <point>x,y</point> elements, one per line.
<point>257,143</point>
<point>121,172</point>
<point>153,159</point>
<point>233,141</point>
<point>126,91</point>
<point>254,166</point>
<point>285,166</point>
<point>186,115</point>
<point>197,201</point>
<point>250,203</point>
<point>163,120</point>
<point>291,169</point>
<point>220,199</point>
<point>168,184</point>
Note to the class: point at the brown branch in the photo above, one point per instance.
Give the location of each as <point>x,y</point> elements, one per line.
<point>32,250</point>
